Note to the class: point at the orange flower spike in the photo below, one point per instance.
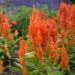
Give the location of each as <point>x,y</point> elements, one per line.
<point>73,17</point>
<point>53,29</point>
<point>63,15</point>
<point>23,48</point>
<point>73,12</point>
<point>63,7</point>
<point>34,15</point>
<point>4,26</point>
<point>6,30</point>
<point>64,59</point>
<point>53,55</point>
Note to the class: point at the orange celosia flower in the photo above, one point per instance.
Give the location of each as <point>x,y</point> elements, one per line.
<point>6,30</point>
<point>38,24</point>
<point>23,48</point>
<point>39,21</point>
<point>63,15</point>
<point>54,55</point>
<point>5,26</point>
<point>73,13</point>
<point>41,30</point>
<point>72,17</point>
<point>53,29</point>
<point>64,59</point>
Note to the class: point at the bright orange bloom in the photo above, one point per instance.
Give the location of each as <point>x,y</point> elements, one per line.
<point>64,59</point>
<point>6,30</point>
<point>63,15</point>
<point>53,33</point>
<point>53,54</point>
<point>72,17</point>
<point>23,48</point>
<point>5,27</point>
<point>37,22</point>
<point>73,13</point>
<point>47,27</point>
<point>41,30</point>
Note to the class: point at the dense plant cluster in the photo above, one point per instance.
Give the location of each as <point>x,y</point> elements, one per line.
<point>49,48</point>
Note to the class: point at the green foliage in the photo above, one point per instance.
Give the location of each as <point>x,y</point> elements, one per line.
<point>34,67</point>
<point>22,18</point>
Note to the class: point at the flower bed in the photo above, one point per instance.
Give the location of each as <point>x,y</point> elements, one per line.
<point>47,49</point>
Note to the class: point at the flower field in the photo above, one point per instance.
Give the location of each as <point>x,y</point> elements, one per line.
<point>38,42</point>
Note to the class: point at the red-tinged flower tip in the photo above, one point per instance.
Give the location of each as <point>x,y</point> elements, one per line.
<point>39,53</point>
<point>73,12</point>
<point>72,17</point>
<point>63,15</point>
<point>63,7</point>
<point>23,48</point>
<point>42,25</point>
<point>14,23</point>
<point>4,26</point>
<point>16,32</point>
<point>53,54</point>
<point>64,59</point>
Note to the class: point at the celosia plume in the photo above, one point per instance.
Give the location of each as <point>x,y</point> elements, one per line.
<point>64,59</point>
<point>41,30</point>
<point>5,27</point>
<point>23,48</point>
<point>46,26</point>
<point>54,52</point>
